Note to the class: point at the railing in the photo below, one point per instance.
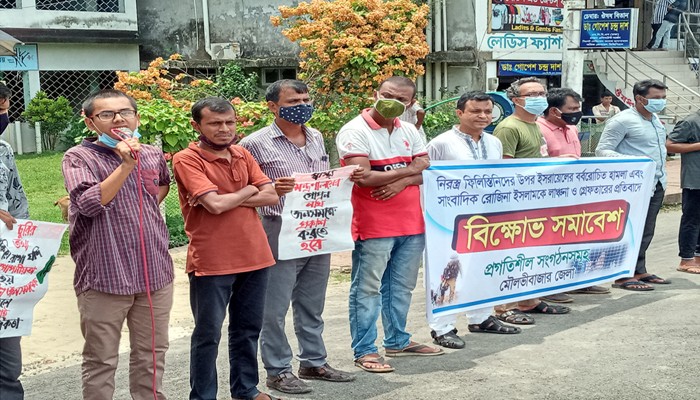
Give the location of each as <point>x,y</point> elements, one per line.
<point>627,72</point>
<point>691,47</point>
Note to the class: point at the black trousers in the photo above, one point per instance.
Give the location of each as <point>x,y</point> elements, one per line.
<point>655,204</point>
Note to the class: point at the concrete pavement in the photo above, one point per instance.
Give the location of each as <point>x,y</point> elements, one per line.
<point>624,345</point>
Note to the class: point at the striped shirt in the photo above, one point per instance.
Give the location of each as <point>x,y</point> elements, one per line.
<point>12,196</point>
<point>660,10</point>
<point>104,240</point>
<point>278,157</point>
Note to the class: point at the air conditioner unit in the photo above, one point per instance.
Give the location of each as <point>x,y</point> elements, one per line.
<point>226,51</point>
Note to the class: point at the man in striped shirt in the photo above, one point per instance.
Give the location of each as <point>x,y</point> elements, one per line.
<point>105,227</point>
<point>286,147</point>
<point>660,9</point>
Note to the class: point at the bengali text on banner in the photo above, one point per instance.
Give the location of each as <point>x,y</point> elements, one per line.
<point>508,230</point>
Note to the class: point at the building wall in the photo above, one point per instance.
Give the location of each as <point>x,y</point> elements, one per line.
<point>179,26</point>
<point>30,17</point>
<point>88,57</point>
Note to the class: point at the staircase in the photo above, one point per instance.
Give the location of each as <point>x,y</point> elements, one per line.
<point>619,70</point>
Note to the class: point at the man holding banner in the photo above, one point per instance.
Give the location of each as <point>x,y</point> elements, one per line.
<point>467,141</point>
<point>638,131</point>
<point>388,225</point>
<point>522,138</point>
<point>13,204</point>
<point>286,147</point>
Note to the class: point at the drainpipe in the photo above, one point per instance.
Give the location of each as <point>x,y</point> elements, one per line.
<point>205,22</point>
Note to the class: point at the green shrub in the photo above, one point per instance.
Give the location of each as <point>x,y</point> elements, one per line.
<point>173,123</point>
<point>232,82</point>
<point>55,117</point>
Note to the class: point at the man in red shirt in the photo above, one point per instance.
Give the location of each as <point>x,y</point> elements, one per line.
<point>387,224</point>
<point>220,184</point>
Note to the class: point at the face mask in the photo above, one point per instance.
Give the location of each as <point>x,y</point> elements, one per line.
<point>124,133</point>
<point>535,105</point>
<point>298,114</point>
<point>655,105</point>
<point>217,147</point>
<point>572,118</point>
<point>389,108</point>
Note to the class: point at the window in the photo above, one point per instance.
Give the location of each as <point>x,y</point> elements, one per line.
<point>8,4</point>
<point>270,75</point>
<point>110,6</point>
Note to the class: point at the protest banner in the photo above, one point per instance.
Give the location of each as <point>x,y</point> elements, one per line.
<point>509,230</point>
<point>27,253</point>
<point>317,215</point>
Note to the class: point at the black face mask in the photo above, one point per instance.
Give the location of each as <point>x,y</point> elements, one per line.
<point>571,118</point>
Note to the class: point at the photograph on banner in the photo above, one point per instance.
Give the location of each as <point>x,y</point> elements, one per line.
<point>27,253</point>
<point>499,232</point>
<point>533,16</point>
<point>317,215</point>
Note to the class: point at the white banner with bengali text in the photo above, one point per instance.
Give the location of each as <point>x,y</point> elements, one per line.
<point>317,215</point>
<point>499,231</point>
<point>27,253</point>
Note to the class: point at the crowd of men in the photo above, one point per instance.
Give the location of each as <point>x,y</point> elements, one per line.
<point>232,195</point>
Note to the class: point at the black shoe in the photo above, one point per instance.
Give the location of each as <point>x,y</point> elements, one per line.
<point>449,340</point>
<point>325,373</point>
<point>288,383</point>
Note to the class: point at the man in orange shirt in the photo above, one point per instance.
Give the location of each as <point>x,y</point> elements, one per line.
<point>220,184</point>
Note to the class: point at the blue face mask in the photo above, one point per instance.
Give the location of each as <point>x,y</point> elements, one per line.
<point>298,114</point>
<point>535,105</point>
<point>111,142</point>
<point>655,105</point>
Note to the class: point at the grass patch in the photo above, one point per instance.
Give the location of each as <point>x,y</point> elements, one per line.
<point>43,182</point>
<point>340,275</point>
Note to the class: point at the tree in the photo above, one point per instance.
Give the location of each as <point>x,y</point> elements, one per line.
<point>350,46</point>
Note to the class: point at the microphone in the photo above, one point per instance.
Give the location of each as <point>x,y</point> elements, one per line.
<point>122,133</point>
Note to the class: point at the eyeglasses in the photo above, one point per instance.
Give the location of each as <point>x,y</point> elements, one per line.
<point>109,115</point>
<point>534,94</point>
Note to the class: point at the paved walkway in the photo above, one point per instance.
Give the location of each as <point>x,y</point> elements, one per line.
<point>673,190</point>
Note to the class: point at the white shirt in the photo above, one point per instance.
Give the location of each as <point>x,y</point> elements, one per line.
<point>456,145</point>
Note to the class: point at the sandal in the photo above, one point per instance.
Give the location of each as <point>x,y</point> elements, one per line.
<point>415,349</point>
<point>544,308</point>
<point>654,279</point>
<point>373,359</point>
<point>493,325</point>
<point>449,340</point>
<point>689,269</point>
<point>516,317</point>
<point>261,396</point>
<point>635,286</point>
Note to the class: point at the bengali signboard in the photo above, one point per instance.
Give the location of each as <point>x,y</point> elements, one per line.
<point>317,215</point>
<point>509,230</point>
<point>508,42</point>
<point>609,28</point>
<point>529,68</point>
<point>533,16</point>
<point>27,253</point>
<point>26,58</point>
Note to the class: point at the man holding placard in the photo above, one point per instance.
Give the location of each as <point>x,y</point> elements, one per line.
<point>13,204</point>
<point>286,147</point>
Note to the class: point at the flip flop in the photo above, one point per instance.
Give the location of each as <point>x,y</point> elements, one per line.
<point>689,270</point>
<point>359,363</point>
<point>655,279</point>
<point>628,286</point>
<point>414,349</point>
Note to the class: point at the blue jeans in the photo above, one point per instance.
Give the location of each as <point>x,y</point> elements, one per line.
<point>244,296</point>
<point>384,272</point>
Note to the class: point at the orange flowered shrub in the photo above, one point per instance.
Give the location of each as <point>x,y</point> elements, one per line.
<point>349,46</point>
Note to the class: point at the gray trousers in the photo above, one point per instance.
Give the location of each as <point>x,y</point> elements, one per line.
<point>302,282</point>
<point>10,369</point>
